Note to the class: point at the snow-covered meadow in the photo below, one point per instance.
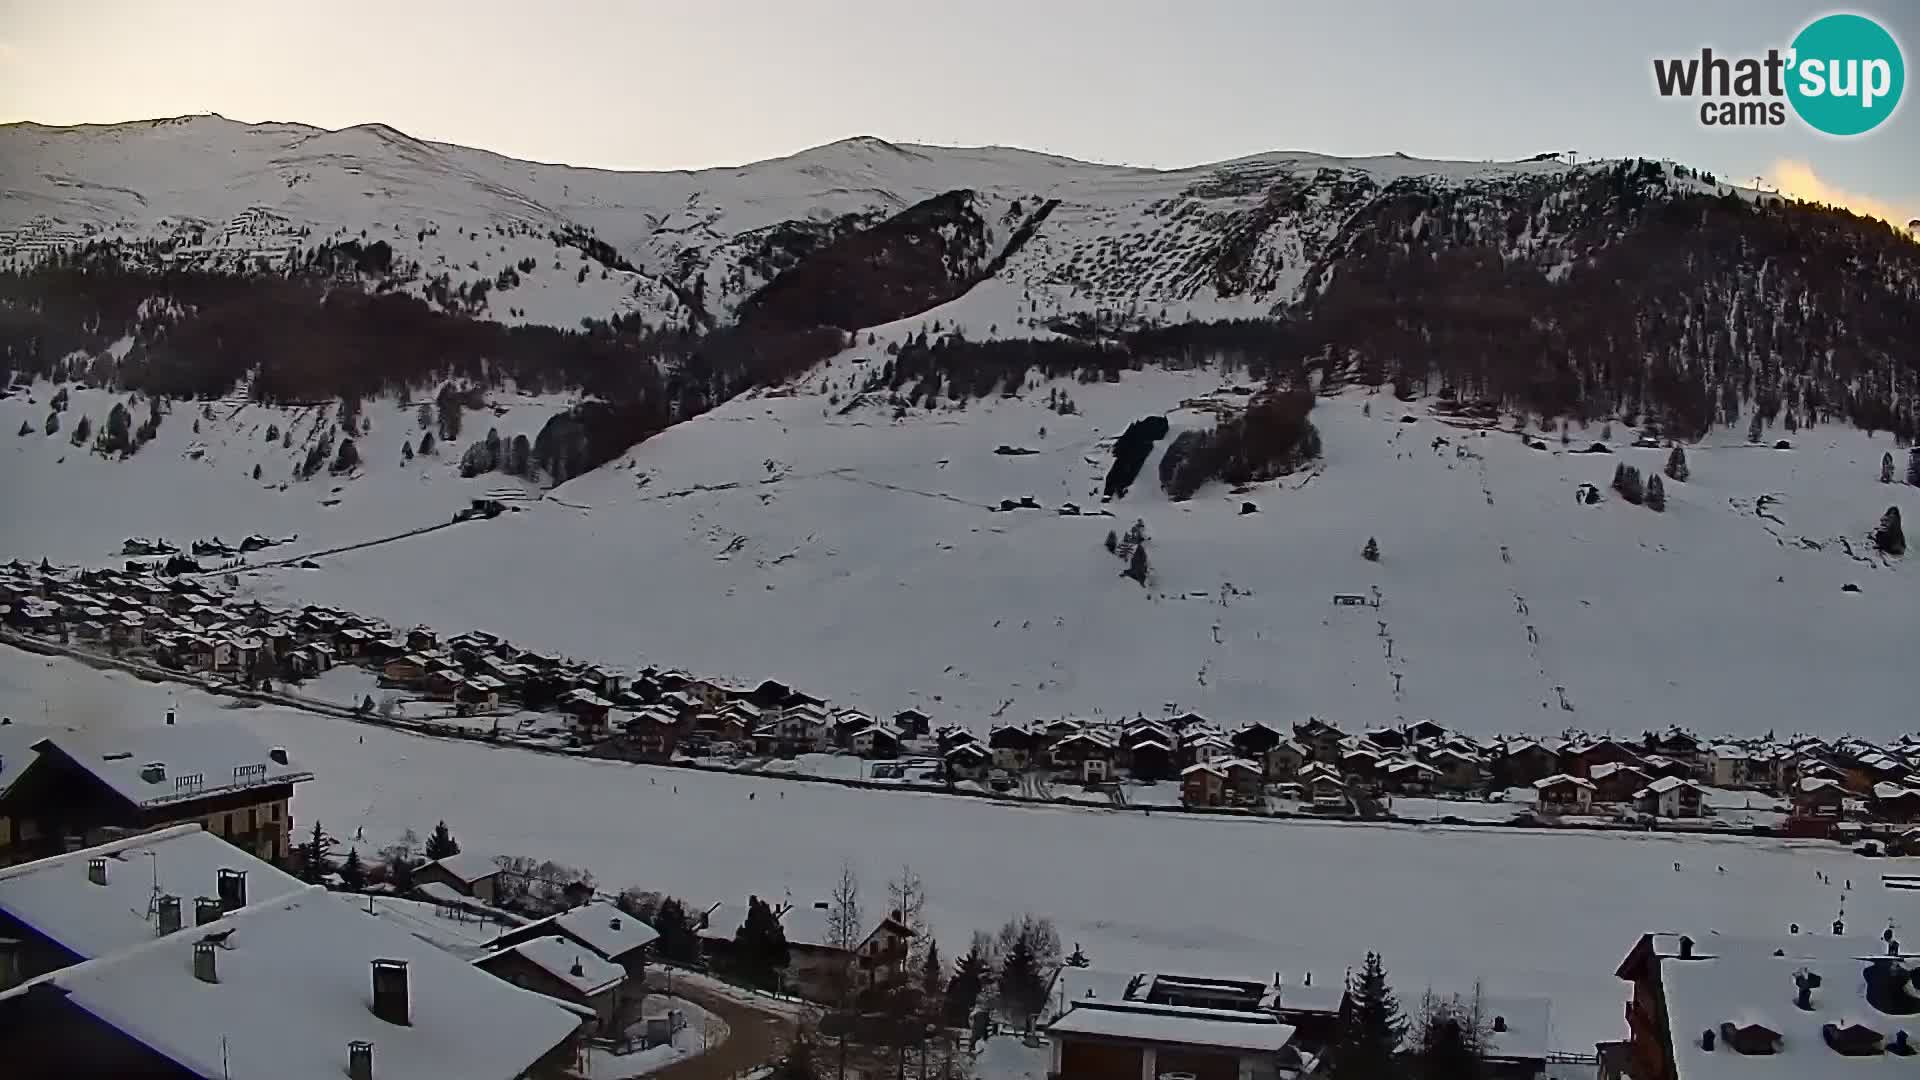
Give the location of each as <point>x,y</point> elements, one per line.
<point>1529,913</point>
<point>865,558</point>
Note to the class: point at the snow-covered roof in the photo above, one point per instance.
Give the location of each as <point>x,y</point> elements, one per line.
<point>16,749</point>
<point>602,927</point>
<point>294,988</point>
<point>1223,1028</point>
<point>1886,789</point>
<point>468,866</point>
<point>1668,783</point>
<point>57,899</point>
<point>1811,784</point>
<point>197,760</point>
<point>1744,983</point>
<point>1559,779</point>
<point>1601,772</point>
<point>568,962</point>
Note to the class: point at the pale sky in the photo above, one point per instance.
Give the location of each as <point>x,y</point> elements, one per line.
<point>645,84</point>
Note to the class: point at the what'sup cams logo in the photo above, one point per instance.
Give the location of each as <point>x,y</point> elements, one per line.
<point>1842,75</point>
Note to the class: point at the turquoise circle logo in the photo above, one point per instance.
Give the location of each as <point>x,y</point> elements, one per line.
<point>1847,74</point>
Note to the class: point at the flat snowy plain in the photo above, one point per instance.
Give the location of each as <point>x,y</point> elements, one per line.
<point>1528,913</point>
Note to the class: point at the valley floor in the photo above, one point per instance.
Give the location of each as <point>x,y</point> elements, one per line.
<point>1525,912</point>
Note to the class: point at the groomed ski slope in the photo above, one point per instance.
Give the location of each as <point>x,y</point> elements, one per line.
<point>860,557</point>
<point>1527,913</point>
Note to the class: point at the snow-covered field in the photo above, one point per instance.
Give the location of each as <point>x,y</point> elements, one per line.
<point>863,558</point>
<point>70,504</point>
<point>1528,913</point>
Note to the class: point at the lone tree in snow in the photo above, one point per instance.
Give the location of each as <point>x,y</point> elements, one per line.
<point>53,422</point>
<point>1371,1028</point>
<point>26,428</point>
<point>1137,567</point>
<point>256,470</point>
<point>1886,467</point>
<point>1656,494</point>
<point>1626,481</point>
<point>1371,552</point>
<point>442,844</point>
<point>1113,540</point>
<point>1677,465</point>
<point>1889,537</point>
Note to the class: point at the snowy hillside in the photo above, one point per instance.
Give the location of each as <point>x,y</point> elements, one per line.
<point>865,559</point>
<point>230,194</point>
<point>196,479</point>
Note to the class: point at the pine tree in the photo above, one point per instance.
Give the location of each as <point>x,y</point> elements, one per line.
<point>1448,1042</point>
<point>1113,541</point>
<point>969,979</point>
<point>1656,494</point>
<point>1018,978</point>
<point>1889,537</point>
<point>313,856</point>
<point>426,442</point>
<point>1370,1027</point>
<point>400,874</point>
<point>678,942</point>
<point>1677,465</point>
<point>353,873</point>
<point>1371,552</point>
<point>1886,467</point>
<point>760,946</point>
<point>1626,481</point>
<point>441,844</point>
<point>26,428</point>
<point>933,979</point>
<point>1078,959</point>
<point>1137,567</point>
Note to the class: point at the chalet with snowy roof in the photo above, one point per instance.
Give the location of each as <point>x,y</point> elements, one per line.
<point>69,908</point>
<point>1323,786</point>
<point>599,927</point>
<point>1286,759</point>
<point>1255,740</point>
<point>1456,770</point>
<point>469,874</point>
<point>912,723</point>
<point>1149,757</point>
<point>1203,784</point>
<point>80,789</point>
<point>1616,783</point>
<point>1797,1007</point>
<point>560,968</point>
<point>1098,1038</point>
<point>1728,766</point>
<point>1818,797</point>
<point>876,742</point>
<point>1580,760</point>
<point>1670,798</point>
<point>967,761</point>
<point>1676,744</point>
<point>1563,794</point>
<point>1321,739</point>
<point>1408,776</point>
<point>1012,746</point>
<point>655,732</point>
<point>1894,803</point>
<point>1088,753</point>
<point>1657,766</point>
<point>300,987</point>
<point>591,712</point>
<point>843,725</point>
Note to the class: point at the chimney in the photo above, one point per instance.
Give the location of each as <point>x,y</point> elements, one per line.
<point>278,755</point>
<point>359,1060</point>
<point>577,970</point>
<point>205,910</point>
<point>390,992</point>
<point>169,717</point>
<point>1499,1023</point>
<point>613,923</point>
<point>233,889</point>
<point>204,966</point>
<point>97,870</point>
<point>1706,1040</point>
<point>1686,947</point>
<point>10,971</point>
<point>1309,978</point>
<point>1899,1045</point>
<point>169,914</point>
<point>153,772</point>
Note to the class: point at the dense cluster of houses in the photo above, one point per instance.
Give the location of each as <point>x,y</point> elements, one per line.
<point>663,715</point>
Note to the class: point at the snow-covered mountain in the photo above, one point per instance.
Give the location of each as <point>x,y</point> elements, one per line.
<point>813,387</point>
<point>224,193</point>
